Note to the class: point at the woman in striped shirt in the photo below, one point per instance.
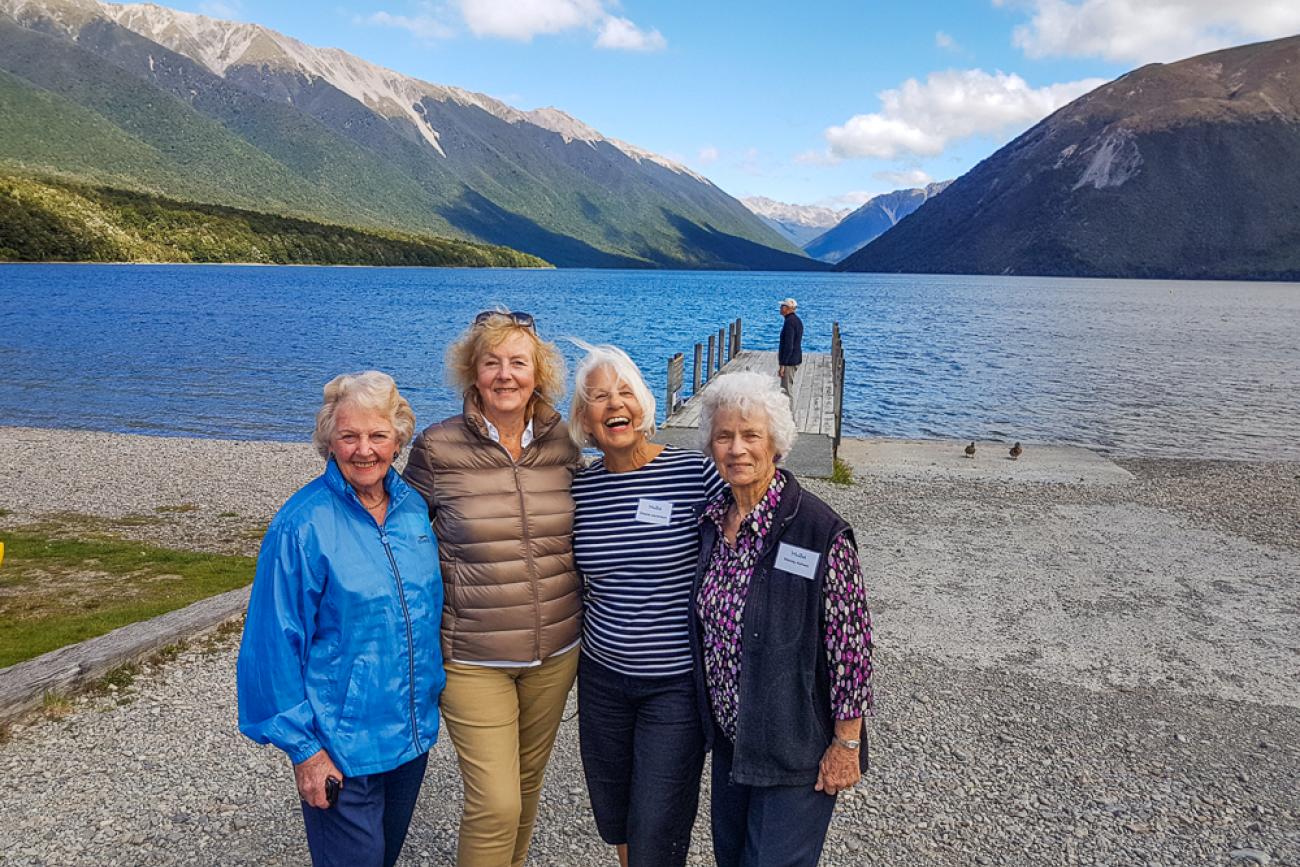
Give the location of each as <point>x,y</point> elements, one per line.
<point>636,538</point>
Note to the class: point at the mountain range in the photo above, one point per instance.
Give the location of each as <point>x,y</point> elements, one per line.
<point>797,223</point>
<point>144,98</point>
<point>875,217</point>
<point>1174,170</point>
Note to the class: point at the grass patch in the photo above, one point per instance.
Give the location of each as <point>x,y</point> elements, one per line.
<point>5,513</point>
<point>55,706</point>
<point>220,638</point>
<point>179,508</point>
<point>116,680</point>
<point>56,591</point>
<point>227,514</point>
<point>841,473</point>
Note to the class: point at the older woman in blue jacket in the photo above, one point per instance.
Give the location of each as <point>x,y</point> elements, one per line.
<point>340,665</point>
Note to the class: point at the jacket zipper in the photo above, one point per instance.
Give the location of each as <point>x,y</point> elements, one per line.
<point>532,567</point>
<point>528,541</point>
<point>410,637</point>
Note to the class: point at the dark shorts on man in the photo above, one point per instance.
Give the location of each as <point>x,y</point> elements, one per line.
<point>367,826</point>
<point>765,826</point>
<point>642,752</point>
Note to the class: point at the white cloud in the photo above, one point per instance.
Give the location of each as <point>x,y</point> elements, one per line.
<point>906,179</point>
<point>619,34</point>
<point>221,8</point>
<point>707,155</point>
<point>851,200</point>
<point>923,118</point>
<point>524,19</point>
<point>943,40</point>
<point>426,27</point>
<point>1143,31</point>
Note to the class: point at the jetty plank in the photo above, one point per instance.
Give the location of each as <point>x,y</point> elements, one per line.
<point>815,405</point>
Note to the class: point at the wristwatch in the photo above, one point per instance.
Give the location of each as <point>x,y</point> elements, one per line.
<point>848,744</point>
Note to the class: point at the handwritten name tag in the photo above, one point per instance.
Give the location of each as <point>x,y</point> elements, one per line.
<point>796,560</point>
<point>658,512</point>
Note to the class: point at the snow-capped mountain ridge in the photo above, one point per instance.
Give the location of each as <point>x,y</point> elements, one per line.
<point>814,216</point>
<point>221,45</point>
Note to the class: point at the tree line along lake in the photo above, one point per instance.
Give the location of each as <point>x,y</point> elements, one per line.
<point>1154,368</point>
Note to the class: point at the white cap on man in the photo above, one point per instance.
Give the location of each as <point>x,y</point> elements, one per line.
<point>791,303</point>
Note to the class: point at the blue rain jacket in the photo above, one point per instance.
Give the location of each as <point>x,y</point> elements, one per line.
<point>341,646</point>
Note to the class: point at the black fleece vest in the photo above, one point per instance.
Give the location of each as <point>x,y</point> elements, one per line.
<point>785,721</point>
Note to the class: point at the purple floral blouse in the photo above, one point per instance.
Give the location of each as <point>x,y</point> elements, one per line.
<point>721,608</point>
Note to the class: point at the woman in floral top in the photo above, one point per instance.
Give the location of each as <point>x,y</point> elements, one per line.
<point>783,636</point>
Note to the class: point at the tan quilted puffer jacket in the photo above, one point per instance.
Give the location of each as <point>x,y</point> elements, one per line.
<point>505,537</point>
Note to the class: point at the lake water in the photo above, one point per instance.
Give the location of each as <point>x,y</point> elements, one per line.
<point>1132,367</point>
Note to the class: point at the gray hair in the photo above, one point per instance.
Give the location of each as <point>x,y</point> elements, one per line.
<point>749,393</point>
<point>607,357</point>
<point>371,390</point>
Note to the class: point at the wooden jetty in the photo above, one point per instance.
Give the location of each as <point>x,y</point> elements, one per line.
<point>818,399</point>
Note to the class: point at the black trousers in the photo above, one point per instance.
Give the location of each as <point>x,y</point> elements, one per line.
<point>765,826</point>
<point>642,753</point>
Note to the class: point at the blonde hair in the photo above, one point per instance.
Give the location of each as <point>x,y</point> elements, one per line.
<point>463,356</point>
<point>625,371</point>
<point>748,392</point>
<point>371,390</point>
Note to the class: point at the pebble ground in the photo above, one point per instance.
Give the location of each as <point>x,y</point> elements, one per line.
<point>991,745</point>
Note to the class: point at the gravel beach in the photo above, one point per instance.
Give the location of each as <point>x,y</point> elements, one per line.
<point>1091,667</point>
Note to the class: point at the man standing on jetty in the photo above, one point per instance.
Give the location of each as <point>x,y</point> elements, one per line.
<point>790,353</point>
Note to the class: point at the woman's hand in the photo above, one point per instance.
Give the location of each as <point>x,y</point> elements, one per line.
<point>311,774</point>
<point>839,769</point>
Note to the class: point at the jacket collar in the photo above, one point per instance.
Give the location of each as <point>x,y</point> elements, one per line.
<point>393,484</point>
<point>786,508</point>
<point>544,418</point>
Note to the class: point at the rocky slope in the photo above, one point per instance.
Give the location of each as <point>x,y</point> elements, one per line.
<point>1181,170</point>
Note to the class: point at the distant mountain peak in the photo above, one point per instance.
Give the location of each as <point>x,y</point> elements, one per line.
<point>870,220</point>
<point>799,223</point>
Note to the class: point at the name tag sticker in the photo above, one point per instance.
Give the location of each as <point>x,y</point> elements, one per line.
<point>658,512</point>
<point>796,560</point>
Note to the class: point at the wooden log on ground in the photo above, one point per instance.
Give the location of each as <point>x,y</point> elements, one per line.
<point>23,686</point>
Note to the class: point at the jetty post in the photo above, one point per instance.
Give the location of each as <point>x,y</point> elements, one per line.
<point>817,397</point>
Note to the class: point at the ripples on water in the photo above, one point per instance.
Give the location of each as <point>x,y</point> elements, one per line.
<point>1133,367</point>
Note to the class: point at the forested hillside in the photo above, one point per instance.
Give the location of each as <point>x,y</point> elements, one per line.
<point>45,220</point>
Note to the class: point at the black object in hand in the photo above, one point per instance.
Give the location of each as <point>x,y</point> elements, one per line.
<point>332,786</point>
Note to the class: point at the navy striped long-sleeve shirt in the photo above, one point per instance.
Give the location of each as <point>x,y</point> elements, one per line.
<point>636,540</point>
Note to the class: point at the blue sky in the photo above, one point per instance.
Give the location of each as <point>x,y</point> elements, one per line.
<point>823,102</point>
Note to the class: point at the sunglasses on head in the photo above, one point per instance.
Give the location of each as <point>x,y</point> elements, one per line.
<point>518,317</point>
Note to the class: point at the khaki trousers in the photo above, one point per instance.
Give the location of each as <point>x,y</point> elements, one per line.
<point>787,380</point>
<point>503,723</point>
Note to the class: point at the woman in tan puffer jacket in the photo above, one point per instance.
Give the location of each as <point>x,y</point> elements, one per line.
<point>496,479</point>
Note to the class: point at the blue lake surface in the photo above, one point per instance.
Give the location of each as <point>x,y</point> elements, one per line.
<point>1133,367</point>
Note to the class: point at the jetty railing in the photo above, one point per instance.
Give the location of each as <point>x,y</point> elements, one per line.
<point>710,357</point>
<point>816,401</point>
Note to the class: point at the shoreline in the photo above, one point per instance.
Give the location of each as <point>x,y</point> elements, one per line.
<point>1096,672</point>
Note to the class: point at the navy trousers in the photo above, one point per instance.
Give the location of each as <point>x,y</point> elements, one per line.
<point>367,827</point>
<point>765,826</point>
<point>642,752</point>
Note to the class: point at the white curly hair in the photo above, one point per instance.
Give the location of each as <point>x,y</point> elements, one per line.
<point>749,393</point>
